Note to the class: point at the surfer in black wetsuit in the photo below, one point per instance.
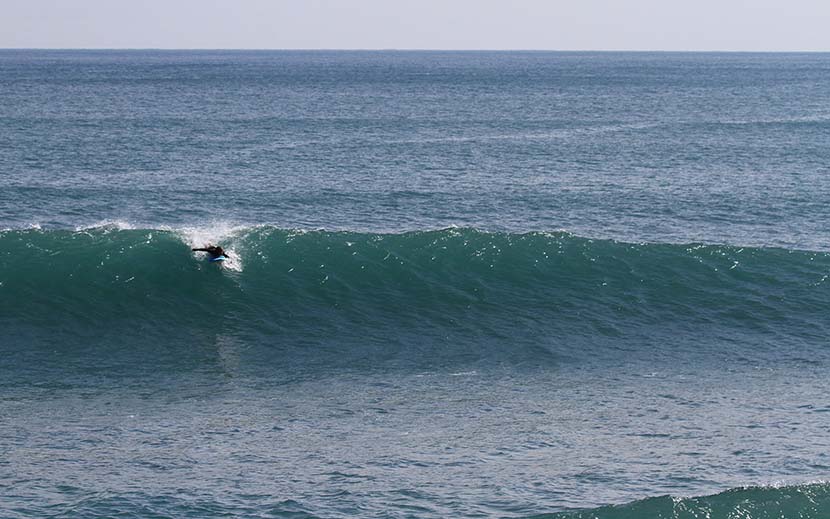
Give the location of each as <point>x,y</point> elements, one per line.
<point>214,251</point>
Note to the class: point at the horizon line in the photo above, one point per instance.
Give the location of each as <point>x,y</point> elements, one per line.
<point>392,49</point>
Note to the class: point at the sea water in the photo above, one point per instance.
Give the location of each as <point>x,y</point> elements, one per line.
<point>462,284</point>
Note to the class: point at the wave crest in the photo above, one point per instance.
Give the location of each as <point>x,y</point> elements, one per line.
<point>810,500</point>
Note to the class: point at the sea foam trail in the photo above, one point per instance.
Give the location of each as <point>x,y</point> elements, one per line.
<point>532,293</point>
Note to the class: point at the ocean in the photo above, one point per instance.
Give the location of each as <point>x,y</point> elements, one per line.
<point>460,284</point>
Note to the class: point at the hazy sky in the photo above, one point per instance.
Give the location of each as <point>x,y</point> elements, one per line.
<point>419,24</point>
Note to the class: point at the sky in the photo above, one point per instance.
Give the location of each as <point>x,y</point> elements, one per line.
<point>730,25</point>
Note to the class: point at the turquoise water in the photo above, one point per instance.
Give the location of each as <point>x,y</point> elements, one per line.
<point>466,284</point>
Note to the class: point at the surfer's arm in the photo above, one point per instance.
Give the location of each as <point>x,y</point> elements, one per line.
<point>199,250</point>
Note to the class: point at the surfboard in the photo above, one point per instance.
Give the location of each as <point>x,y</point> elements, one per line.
<point>218,258</point>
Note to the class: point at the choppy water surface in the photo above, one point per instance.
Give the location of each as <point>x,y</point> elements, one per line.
<point>460,284</point>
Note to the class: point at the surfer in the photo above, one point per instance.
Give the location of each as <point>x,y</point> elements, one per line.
<point>214,251</point>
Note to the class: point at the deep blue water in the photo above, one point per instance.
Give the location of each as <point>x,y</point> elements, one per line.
<point>461,284</point>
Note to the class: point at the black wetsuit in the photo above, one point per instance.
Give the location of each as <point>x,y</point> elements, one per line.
<point>215,252</point>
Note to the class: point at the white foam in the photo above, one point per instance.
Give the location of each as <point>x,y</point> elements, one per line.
<point>210,234</point>
<point>234,261</point>
<point>107,225</point>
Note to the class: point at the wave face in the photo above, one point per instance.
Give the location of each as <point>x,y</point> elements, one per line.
<point>811,500</point>
<point>448,294</point>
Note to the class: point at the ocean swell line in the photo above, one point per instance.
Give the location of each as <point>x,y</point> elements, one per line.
<point>454,286</point>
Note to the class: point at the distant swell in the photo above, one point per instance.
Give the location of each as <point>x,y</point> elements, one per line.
<point>451,292</point>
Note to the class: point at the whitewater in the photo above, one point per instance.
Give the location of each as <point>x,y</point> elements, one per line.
<point>460,284</point>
